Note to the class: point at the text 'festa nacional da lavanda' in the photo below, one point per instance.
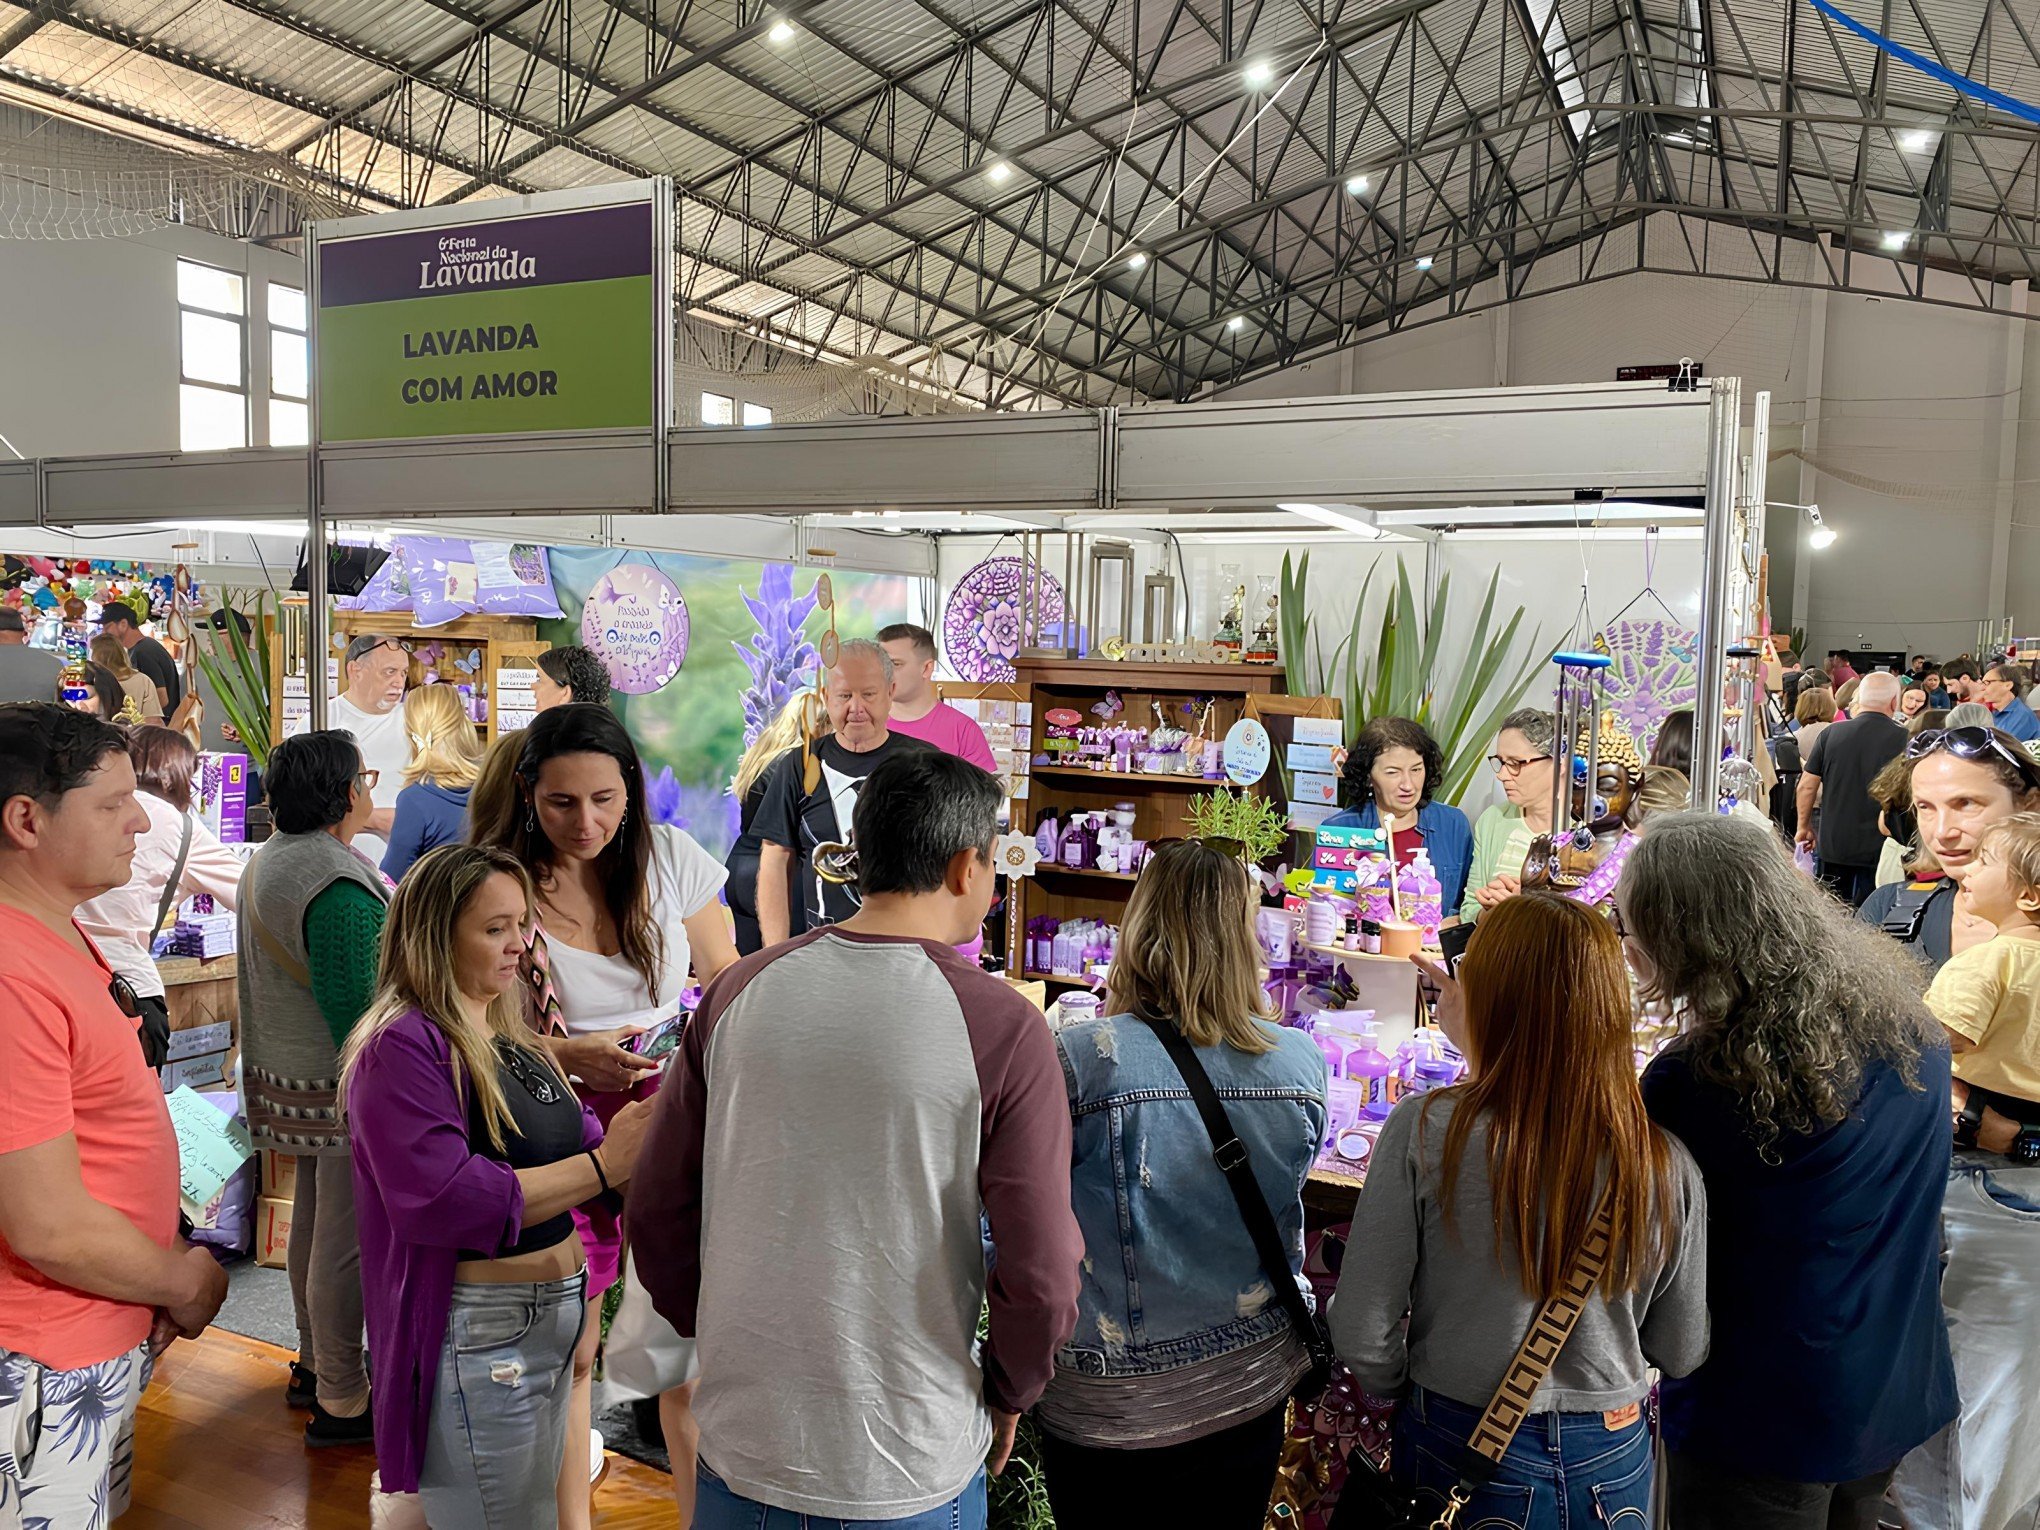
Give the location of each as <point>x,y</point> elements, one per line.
<point>467,263</point>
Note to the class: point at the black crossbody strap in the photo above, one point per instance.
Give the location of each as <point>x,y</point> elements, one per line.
<point>1230,1154</point>
<point>172,889</point>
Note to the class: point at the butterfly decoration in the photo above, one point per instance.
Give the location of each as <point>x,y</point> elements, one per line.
<point>1109,708</point>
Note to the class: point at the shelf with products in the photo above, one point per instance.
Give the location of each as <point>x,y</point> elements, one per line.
<point>1103,693</point>
<point>471,652</point>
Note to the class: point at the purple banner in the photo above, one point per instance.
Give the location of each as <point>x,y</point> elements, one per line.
<point>543,250</point>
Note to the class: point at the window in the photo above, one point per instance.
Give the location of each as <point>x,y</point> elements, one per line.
<point>212,309</point>
<point>717,409</point>
<point>289,369</point>
<point>757,414</point>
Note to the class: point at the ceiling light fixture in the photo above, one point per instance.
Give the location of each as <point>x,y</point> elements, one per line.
<point>1357,186</point>
<point>1348,518</point>
<point>999,172</point>
<point>1896,239</point>
<point>1136,260</point>
<point>1821,536</point>
<point>1259,74</point>
<point>1236,323</point>
<point>1424,262</point>
<point>782,32</point>
<point>1915,141</point>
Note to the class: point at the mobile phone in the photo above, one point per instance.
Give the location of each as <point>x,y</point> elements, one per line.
<point>1452,941</point>
<point>659,1040</point>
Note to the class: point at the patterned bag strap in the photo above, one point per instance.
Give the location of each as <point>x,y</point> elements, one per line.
<point>1534,1359</point>
<point>552,1019</point>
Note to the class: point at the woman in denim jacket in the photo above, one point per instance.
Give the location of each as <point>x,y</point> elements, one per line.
<point>1167,1405</point>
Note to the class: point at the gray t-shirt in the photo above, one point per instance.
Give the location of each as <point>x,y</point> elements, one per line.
<point>1468,1311</point>
<point>28,674</point>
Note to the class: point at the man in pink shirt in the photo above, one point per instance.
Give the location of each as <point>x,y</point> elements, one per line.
<point>918,710</point>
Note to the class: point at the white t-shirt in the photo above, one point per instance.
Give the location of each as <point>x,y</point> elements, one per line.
<point>385,748</point>
<point>600,993</point>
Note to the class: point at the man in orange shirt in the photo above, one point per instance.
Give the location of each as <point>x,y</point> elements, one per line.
<point>94,1281</point>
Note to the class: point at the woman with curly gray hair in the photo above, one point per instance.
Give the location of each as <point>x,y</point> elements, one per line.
<point>1812,1087</point>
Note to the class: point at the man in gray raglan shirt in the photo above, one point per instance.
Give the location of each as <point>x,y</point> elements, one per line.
<point>844,1106</point>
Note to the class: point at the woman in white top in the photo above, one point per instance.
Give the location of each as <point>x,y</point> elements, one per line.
<point>123,923</point>
<point>624,905</point>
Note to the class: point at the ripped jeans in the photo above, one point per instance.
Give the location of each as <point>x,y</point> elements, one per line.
<point>499,1408</point>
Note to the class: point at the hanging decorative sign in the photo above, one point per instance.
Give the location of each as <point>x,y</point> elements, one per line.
<point>982,621</point>
<point>1247,752</point>
<point>1655,671</point>
<point>547,320</point>
<point>635,621</point>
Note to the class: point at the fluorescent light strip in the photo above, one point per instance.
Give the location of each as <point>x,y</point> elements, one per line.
<point>1339,517</point>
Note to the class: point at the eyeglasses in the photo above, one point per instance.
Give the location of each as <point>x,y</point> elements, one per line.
<point>368,779</point>
<point>1506,767</point>
<point>1973,744</point>
<point>122,992</point>
<point>536,1084</point>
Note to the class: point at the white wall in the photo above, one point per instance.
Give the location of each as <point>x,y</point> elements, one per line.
<point>1932,440</point>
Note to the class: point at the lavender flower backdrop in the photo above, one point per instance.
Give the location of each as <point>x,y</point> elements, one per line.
<point>751,649</point>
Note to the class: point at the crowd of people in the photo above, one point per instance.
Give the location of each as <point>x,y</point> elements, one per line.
<point>875,1212</point>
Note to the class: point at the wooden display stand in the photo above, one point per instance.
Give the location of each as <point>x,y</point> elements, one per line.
<point>500,639</point>
<point>1161,802</point>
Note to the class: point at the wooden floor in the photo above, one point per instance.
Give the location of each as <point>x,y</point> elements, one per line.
<point>216,1449</point>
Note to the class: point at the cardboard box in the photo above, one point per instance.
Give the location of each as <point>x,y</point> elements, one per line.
<point>272,1232</point>
<point>1033,990</point>
<point>279,1175</point>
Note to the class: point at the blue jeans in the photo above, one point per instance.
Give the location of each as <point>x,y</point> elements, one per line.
<point>1563,1471</point>
<point>499,1407</point>
<point>718,1507</point>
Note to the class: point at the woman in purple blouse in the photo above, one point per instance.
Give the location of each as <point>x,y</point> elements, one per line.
<point>470,1151</point>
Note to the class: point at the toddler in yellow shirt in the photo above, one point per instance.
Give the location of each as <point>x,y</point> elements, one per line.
<point>1988,997</point>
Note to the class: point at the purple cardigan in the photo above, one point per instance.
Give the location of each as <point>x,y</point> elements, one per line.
<point>421,1195</point>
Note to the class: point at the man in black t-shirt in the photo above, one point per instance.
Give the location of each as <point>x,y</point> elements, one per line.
<point>1837,777</point>
<point>791,820</point>
<point>117,620</point>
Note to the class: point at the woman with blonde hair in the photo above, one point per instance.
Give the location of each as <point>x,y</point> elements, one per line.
<point>1167,1404</point>
<point>446,756</point>
<point>1478,1201</point>
<point>470,1150</point>
<point>135,686</point>
<point>748,787</point>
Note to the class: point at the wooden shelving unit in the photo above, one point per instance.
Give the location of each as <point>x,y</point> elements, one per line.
<point>498,638</point>
<point>1161,802</point>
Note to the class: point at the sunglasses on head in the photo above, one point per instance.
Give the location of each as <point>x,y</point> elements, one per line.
<point>1973,744</point>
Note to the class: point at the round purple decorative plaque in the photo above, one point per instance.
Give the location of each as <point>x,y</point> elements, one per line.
<point>981,622</point>
<point>635,621</point>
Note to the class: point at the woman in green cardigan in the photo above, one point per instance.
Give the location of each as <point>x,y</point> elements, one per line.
<point>1523,759</point>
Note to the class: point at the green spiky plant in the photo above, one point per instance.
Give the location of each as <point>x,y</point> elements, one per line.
<point>1253,821</point>
<point>1401,676</point>
<point>237,668</point>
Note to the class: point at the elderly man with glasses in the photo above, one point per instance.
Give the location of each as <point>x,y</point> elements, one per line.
<point>94,1280</point>
<point>370,705</point>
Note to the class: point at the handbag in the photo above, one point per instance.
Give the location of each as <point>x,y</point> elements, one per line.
<point>1230,1154</point>
<point>1371,1500</point>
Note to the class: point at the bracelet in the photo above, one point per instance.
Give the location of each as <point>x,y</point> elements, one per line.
<point>599,1175</point>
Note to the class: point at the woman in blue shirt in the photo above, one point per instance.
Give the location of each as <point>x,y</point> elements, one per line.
<point>1811,1086</point>
<point>1389,776</point>
<point>446,756</point>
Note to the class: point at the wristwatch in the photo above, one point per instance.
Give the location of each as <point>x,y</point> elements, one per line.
<point>2025,1148</point>
<point>1968,1122</point>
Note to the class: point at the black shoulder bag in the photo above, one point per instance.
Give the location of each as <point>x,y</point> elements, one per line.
<point>1230,1154</point>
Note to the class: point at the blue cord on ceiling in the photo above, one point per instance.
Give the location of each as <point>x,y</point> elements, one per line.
<point>1961,83</point>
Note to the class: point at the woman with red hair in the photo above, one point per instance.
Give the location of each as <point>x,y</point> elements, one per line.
<point>1478,1200</point>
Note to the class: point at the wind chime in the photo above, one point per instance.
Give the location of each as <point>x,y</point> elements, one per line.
<point>1581,806</point>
